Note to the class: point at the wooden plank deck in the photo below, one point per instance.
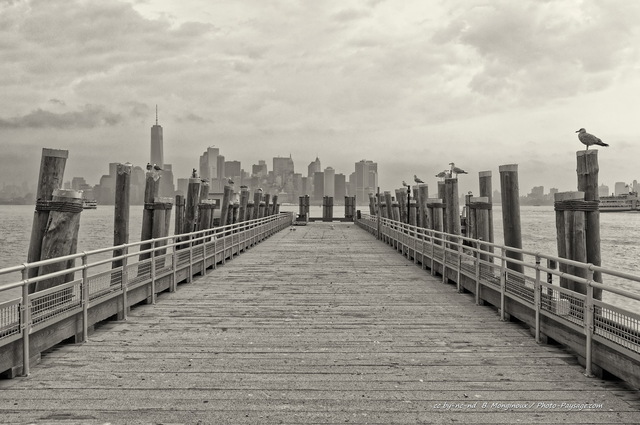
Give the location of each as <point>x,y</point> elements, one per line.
<point>323,324</point>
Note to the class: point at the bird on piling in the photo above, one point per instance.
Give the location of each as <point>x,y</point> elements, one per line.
<point>404,183</point>
<point>149,166</point>
<point>194,174</point>
<point>417,179</point>
<point>157,167</point>
<point>229,180</point>
<point>589,139</point>
<point>455,170</point>
<point>442,174</point>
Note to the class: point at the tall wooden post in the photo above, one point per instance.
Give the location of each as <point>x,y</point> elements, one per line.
<point>395,210</point>
<point>191,208</point>
<point>570,228</point>
<point>261,209</point>
<point>387,200</point>
<point>52,166</point>
<point>121,210</point>
<point>436,211</point>
<point>250,209</point>
<point>441,195</point>
<point>257,197</point>
<point>224,209</point>
<point>587,170</point>
<point>152,186</point>
<point>267,205</point>
<point>372,204</point>
<point>413,206</point>
<point>60,236</point>
<point>479,208</point>
<point>401,197</point>
<point>511,213</point>
<point>486,190</point>
<point>452,206</point>
<point>178,226</point>
<point>274,209</point>
<point>244,200</point>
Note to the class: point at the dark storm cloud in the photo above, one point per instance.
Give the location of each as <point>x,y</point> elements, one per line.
<point>88,117</point>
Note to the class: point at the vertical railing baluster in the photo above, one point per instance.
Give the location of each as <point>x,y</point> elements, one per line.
<point>536,297</point>
<point>503,283</point>
<point>25,313</point>
<point>589,318</point>
<point>84,288</point>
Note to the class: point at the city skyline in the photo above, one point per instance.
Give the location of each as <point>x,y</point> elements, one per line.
<point>415,86</point>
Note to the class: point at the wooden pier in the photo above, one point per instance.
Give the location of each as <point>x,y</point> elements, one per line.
<point>321,324</point>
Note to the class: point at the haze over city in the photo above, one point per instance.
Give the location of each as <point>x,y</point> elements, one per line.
<point>412,85</point>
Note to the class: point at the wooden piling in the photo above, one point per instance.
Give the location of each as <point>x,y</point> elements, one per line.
<point>413,212</point>
<point>191,207</point>
<point>479,208</point>
<point>121,210</point>
<point>486,190</point>
<point>257,197</point>
<point>452,206</point>
<point>372,204</point>
<point>511,213</point>
<point>587,170</point>
<point>395,208</point>
<point>423,191</point>
<point>224,209</point>
<point>401,198</point>
<point>244,200</point>
<point>274,202</point>
<point>571,236</point>
<point>267,205</point>
<point>441,195</point>
<point>388,202</point>
<point>60,236</point>
<point>261,209</point>
<point>436,212</point>
<point>52,166</point>
<point>179,217</point>
<point>250,209</point>
<point>152,186</point>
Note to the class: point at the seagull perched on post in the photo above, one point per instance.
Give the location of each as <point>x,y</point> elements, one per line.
<point>455,170</point>
<point>417,179</point>
<point>589,139</point>
<point>443,174</point>
<point>157,167</point>
<point>149,166</point>
<point>229,180</point>
<point>404,183</point>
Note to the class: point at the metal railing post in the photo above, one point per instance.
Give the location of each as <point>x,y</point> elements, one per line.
<point>25,312</point>
<point>190,277</point>
<point>503,282</point>
<point>477,269</point>
<point>85,298</point>
<point>204,257</point>
<point>459,266</point>
<point>589,324</point>
<point>125,283</point>
<point>536,297</point>
<point>444,258</point>
<point>174,261</point>
<point>153,271</point>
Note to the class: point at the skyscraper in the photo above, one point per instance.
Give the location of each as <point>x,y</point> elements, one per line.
<point>366,180</point>
<point>329,181</point>
<point>157,154</point>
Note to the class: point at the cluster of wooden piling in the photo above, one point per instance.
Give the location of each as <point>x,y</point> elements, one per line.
<point>327,209</point>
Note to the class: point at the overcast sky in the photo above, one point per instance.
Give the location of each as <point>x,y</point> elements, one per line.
<point>411,84</point>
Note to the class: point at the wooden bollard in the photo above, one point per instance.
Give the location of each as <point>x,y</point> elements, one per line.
<point>161,219</point>
<point>301,207</point>
<point>396,210</point>
<point>224,208</point>
<point>267,205</point>
<point>261,209</point>
<point>121,213</point>
<point>452,206</point>
<point>401,197</point>
<point>486,190</point>
<point>416,197</point>
<point>587,169</point>
<point>571,234</point>
<point>250,209</point>
<point>349,207</point>
<point>60,236</point>
<point>413,212</point>
<point>179,217</point>
<point>235,212</point>
<point>244,200</point>
<point>479,208</point>
<point>436,212</point>
<point>191,206</point>
<point>274,209</point>
<point>205,211</point>
<point>325,208</point>
<point>52,166</point>
<point>389,203</point>
<point>511,213</point>
<point>257,197</point>
<point>383,209</point>
<point>372,204</point>
<point>441,195</point>
<point>152,186</point>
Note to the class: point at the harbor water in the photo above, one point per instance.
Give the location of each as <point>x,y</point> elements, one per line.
<point>620,233</point>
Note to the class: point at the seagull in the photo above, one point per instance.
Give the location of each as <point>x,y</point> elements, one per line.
<point>442,174</point>
<point>149,166</point>
<point>589,139</point>
<point>194,174</point>
<point>229,180</point>
<point>244,187</point>
<point>157,167</point>
<point>417,179</point>
<point>404,183</point>
<point>456,170</point>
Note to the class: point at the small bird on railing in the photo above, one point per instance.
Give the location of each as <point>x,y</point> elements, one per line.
<point>417,179</point>
<point>455,170</point>
<point>157,167</point>
<point>589,139</point>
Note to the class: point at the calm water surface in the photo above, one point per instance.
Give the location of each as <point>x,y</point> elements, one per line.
<point>620,233</point>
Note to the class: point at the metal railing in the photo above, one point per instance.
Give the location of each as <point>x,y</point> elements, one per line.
<point>489,265</point>
<point>100,275</point>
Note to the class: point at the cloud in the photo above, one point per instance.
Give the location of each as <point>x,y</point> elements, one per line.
<point>88,117</point>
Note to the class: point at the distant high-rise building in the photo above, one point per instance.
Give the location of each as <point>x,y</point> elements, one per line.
<point>260,169</point>
<point>314,167</point>
<point>233,169</point>
<point>157,153</point>
<point>282,167</point>
<point>318,187</point>
<point>340,188</point>
<point>366,180</point>
<point>621,188</point>
<point>329,181</point>
<point>603,190</point>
